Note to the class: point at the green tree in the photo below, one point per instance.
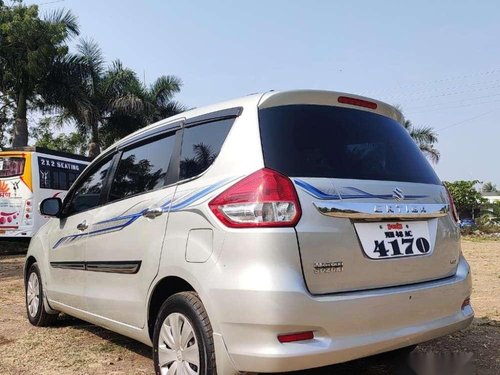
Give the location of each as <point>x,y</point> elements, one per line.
<point>6,119</point>
<point>466,197</point>
<point>111,102</point>
<point>74,142</point>
<point>29,47</point>
<point>490,214</point>
<point>426,138</point>
<point>488,187</point>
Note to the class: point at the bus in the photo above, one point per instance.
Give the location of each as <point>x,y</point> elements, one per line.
<point>28,175</point>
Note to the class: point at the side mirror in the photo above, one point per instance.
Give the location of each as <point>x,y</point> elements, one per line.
<point>51,207</point>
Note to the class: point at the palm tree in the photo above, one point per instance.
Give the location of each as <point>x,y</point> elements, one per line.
<point>110,101</point>
<point>28,49</point>
<point>488,187</point>
<point>425,137</point>
<point>140,105</point>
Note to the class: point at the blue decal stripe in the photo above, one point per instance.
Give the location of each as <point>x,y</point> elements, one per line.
<point>183,202</point>
<point>118,218</point>
<point>316,193</point>
<point>197,196</point>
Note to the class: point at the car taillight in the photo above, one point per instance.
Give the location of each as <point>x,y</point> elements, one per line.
<point>265,198</point>
<point>453,208</point>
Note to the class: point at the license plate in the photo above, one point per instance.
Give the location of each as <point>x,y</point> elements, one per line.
<point>394,239</point>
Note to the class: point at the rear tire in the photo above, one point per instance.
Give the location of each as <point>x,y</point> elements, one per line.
<point>35,308</point>
<point>183,337</point>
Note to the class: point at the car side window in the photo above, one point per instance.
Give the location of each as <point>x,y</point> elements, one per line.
<point>142,168</point>
<point>88,192</point>
<point>201,145</point>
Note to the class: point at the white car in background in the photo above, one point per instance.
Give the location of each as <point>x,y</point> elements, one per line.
<point>277,232</point>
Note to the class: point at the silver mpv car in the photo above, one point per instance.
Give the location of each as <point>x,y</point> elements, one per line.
<point>277,232</point>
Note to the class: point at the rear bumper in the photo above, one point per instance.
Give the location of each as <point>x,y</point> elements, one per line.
<point>346,326</point>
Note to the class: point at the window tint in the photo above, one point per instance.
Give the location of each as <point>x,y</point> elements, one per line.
<point>87,194</point>
<point>335,142</point>
<point>142,168</point>
<point>200,146</point>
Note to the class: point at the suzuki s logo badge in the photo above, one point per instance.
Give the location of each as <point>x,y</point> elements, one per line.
<point>398,195</point>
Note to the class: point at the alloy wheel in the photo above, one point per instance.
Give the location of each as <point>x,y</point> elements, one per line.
<point>33,294</point>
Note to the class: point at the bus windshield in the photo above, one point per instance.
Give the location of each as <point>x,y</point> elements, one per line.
<point>11,166</point>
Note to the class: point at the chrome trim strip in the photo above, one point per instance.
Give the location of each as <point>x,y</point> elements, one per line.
<point>222,114</point>
<point>152,133</point>
<point>114,267</point>
<point>126,267</point>
<point>69,265</point>
<point>356,210</point>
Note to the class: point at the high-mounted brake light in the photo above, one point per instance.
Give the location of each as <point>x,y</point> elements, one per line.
<point>358,102</point>
<point>453,208</point>
<point>265,198</point>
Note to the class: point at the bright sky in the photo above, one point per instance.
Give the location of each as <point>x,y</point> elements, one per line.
<point>439,60</point>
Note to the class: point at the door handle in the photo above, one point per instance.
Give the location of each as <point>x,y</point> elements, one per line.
<point>82,226</point>
<point>152,212</point>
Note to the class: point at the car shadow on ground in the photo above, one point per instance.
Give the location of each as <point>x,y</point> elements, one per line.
<point>13,247</point>
<point>111,337</point>
<point>393,363</point>
<point>482,333</point>
<point>381,364</point>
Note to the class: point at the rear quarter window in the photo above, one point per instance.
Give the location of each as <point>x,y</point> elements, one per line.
<point>201,145</point>
<point>337,142</point>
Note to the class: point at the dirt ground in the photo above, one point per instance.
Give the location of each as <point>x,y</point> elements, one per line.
<point>76,347</point>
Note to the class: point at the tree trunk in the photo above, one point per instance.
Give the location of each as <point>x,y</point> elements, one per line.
<point>21,123</point>
<point>94,148</point>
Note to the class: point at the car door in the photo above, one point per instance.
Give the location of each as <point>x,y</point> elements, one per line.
<point>124,251</point>
<point>68,237</point>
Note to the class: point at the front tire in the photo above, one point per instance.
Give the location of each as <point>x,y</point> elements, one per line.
<point>35,308</point>
<point>182,340</point>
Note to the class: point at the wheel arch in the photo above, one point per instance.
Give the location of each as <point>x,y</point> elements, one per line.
<point>163,289</point>
<point>30,260</point>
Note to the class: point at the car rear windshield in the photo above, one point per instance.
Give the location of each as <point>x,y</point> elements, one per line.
<point>10,167</point>
<point>336,142</point>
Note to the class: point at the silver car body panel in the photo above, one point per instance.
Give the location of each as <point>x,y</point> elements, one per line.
<point>260,282</point>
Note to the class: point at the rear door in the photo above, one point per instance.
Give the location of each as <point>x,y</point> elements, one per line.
<point>374,213</point>
<point>126,236</point>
